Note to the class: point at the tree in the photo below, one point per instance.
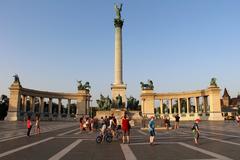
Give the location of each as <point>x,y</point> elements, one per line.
<point>4,103</point>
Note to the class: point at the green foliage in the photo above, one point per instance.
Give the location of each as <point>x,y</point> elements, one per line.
<point>4,102</point>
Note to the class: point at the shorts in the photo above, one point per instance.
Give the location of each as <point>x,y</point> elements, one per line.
<point>152,133</point>
<point>126,132</point>
<point>195,134</point>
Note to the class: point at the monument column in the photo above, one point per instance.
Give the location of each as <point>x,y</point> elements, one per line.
<point>118,87</point>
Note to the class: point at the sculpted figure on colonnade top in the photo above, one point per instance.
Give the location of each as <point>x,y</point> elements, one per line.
<point>118,11</point>
<point>86,86</point>
<point>213,82</point>
<point>16,78</point>
<point>147,86</point>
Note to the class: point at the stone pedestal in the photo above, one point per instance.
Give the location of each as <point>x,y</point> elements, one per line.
<point>83,102</point>
<point>215,103</point>
<point>147,98</point>
<point>14,102</point>
<point>119,89</point>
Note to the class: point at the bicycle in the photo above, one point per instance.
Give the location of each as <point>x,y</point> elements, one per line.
<point>106,136</point>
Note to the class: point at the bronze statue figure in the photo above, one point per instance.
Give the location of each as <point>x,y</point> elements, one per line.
<point>119,101</point>
<point>16,78</point>
<point>118,11</point>
<point>147,86</point>
<point>213,82</point>
<point>86,86</point>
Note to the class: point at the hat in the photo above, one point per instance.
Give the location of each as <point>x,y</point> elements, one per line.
<point>197,119</point>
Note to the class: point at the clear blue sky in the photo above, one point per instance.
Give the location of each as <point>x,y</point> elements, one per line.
<point>180,45</point>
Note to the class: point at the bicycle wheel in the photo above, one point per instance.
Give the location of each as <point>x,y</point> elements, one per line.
<point>108,139</point>
<point>99,139</point>
<point>119,135</point>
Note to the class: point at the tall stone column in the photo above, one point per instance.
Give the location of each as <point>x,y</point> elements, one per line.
<point>118,87</point>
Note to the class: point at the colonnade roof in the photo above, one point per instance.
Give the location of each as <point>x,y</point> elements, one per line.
<point>57,95</point>
<point>175,95</point>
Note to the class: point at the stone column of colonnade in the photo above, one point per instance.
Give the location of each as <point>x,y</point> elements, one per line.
<point>42,106</point>
<point>170,106</point>
<point>68,107</point>
<point>59,107</point>
<point>32,104</point>
<point>24,104</point>
<point>161,106</point>
<point>188,106</point>
<point>50,107</point>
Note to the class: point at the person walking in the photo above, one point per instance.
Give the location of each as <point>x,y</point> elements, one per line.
<point>196,132</point>
<point>126,129</point>
<point>177,119</point>
<point>151,129</point>
<point>29,126</point>
<point>37,124</point>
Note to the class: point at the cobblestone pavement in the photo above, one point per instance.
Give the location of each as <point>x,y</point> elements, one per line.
<point>63,140</point>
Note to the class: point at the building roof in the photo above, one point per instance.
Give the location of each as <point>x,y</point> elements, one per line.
<point>225,94</point>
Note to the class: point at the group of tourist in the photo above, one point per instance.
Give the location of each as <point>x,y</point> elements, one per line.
<point>37,125</point>
<point>112,123</point>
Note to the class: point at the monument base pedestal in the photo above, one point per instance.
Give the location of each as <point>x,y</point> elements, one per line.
<point>119,89</point>
<point>12,116</point>
<point>217,116</point>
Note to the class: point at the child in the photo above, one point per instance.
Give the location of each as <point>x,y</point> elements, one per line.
<point>37,124</point>
<point>195,130</point>
<point>29,126</point>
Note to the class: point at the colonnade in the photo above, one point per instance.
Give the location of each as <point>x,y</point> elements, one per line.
<point>19,97</point>
<point>209,109</point>
<point>179,109</point>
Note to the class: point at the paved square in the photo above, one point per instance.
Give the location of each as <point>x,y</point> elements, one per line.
<point>63,140</point>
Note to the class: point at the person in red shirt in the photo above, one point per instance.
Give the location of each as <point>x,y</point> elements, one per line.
<point>29,126</point>
<point>126,129</point>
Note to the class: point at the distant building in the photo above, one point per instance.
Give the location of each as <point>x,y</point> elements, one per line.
<point>230,105</point>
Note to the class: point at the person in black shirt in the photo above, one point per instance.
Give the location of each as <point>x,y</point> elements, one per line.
<point>177,118</point>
